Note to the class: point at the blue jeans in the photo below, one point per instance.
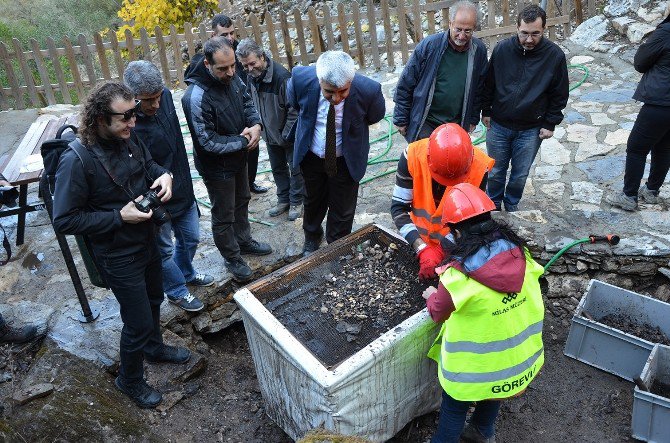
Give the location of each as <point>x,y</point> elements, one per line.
<point>519,147</point>
<point>452,418</point>
<point>288,178</point>
<point>177,258</point>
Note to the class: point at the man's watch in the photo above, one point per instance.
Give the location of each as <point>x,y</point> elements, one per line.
<point>421,247</point>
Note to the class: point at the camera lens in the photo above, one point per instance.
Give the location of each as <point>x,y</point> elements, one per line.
<point>160,215</point>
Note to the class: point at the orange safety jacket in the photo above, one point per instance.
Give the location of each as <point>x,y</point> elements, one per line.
<point>426,217</point>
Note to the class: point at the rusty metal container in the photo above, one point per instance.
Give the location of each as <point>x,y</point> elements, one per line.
<point>311,377</point>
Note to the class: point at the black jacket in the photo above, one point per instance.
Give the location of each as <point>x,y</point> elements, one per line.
<point>268,92</point>
<point>653,60</point>
<point>216,114</point>
<point>161,134</point>
<point>414,93</point>
<point>95,210</point>
<point>526,89</point>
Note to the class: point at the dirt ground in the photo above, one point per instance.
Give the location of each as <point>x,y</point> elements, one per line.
<point>569,401</point>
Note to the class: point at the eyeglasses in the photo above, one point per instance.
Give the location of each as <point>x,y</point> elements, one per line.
<point>130,113</point>
<point>463,31</point>
<point>523,35</point>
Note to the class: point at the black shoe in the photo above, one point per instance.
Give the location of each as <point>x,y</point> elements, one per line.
<point>169,354</point>
<point>255,248</point>
<point>17,335</point>
<point>257,189</point>
<point>311,245</point>
<point>141,393</point>
<point>239,268</point>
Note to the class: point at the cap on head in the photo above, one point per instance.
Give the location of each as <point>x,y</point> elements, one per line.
<point>464,201</point>
<point>450,154</point>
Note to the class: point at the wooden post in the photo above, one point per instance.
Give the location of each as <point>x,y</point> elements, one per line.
<point>272,37</point>
<point>388,31</point>
<point>505,12</point>
<point>144,40</point>
<point>188,35</point>
<point>372,28</point>
<point>288,46</point>
<point>445,19</point>
<point>567,11</point>
<point>27,74</point>
<point>86,55</point>
<point>58,70</point>
<point>74,68</point>
<point>317,40</point>
<point>42,70</point>
<point>297,18</point>
<point>551,12</point>
<point>116,50</point>
<point>492,21</point>
<point>11,78</point>
<point>402,24</point>
<point>344,29</point>
<point>418,25</point>
<point>360,51</point>
<point>162,55</point>
<point>102,56</point>
<point>130,45</point>
<point>328,26</point>
<point>258,35</point>
<point>176,56</point>
<point>579,13</point>
<point>430,18</point>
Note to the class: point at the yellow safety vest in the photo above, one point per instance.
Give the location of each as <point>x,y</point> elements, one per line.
<point>491,345</point>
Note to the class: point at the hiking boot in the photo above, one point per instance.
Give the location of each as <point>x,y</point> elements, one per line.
<point>278,209</point>
<point>648,196</point>
<point>311,245</point>
<point>258,189</point>
<point>472,434</point>
<point>295,212</point>
<point>239,268</point>
<point>188,303</point>
<point>511,208</point>
<point>17,335</point>
<point>201,280</point>
<point>621,200</point>
<point>169,354</point>
<point>255,248</point>
<point>141,393</point>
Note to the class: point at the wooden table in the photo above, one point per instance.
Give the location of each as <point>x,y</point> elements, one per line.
<point>10,166</point>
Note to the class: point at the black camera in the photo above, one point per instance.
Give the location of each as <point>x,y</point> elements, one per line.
<point>8,196</point>
<point>151,201</point>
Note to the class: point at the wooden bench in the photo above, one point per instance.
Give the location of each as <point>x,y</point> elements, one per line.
<point>10,167</point>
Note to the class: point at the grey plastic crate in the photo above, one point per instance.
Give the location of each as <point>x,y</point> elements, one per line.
<point>651,412</point>
<point>607,348</point>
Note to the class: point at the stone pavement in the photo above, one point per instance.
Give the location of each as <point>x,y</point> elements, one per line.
<point>563,201</point>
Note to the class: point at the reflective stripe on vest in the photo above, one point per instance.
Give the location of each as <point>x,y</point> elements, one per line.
<point>491,345</point>
<point>425,215</point>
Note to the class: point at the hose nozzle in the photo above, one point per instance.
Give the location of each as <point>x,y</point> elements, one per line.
<point>609,238</point>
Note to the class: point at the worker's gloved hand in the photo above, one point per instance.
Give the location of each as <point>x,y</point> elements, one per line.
<point>429,258</point>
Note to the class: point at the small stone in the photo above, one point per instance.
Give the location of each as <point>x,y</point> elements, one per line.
<point>324,309</point>
<point>35,391</point>
<point>618,137</point>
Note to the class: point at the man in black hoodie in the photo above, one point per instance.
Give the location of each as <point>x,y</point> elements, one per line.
<point>224,126</point>
<point>525,93</point>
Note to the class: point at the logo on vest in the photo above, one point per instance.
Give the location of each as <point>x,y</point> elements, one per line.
<point>509,307</point>
<point>509,297</point>
<point>515,384</point>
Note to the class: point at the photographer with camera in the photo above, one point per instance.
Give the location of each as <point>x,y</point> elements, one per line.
<point>157,125</point>
<point>117,204</point>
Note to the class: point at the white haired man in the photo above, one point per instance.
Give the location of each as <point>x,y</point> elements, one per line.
<point>335,107</point>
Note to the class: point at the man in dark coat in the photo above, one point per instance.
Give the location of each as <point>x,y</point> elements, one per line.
<point>224,126</point>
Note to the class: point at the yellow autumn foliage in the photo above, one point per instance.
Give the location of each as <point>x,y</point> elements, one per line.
<point>148,14</point>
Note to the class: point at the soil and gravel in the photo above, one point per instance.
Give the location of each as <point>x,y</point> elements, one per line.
<point>349,298</point>
<point>660,388</point>
<point>642,330</point>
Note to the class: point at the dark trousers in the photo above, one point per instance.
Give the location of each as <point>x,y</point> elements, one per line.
<point>289,181</point>
<point>230,212</point>
<point>252,164</point>
<point>651,133</point>
<point>452,418</point>
<point>426,130</point>
<point>136,281</point>
<point>335,195</point>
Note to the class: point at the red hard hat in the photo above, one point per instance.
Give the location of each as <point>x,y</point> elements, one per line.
<point>464,201</point>
<point>450,154</point>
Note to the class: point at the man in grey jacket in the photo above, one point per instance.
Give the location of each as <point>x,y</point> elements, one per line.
<point>442,79</point>
<point>266,84</point>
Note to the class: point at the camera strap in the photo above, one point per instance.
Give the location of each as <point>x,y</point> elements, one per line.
<point>5,244</point>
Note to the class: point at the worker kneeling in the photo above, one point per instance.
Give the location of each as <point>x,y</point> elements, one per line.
<point>427,169</point>
<point>490,345</point>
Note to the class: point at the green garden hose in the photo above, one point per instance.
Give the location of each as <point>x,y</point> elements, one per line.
<point>611,239</point>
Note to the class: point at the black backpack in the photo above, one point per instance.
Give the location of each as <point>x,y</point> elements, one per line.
<point>51,151</point>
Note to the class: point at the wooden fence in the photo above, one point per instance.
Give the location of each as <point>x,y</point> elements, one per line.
<point>376,36</point>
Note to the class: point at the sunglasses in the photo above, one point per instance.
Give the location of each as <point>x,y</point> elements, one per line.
<point>130,113</point>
